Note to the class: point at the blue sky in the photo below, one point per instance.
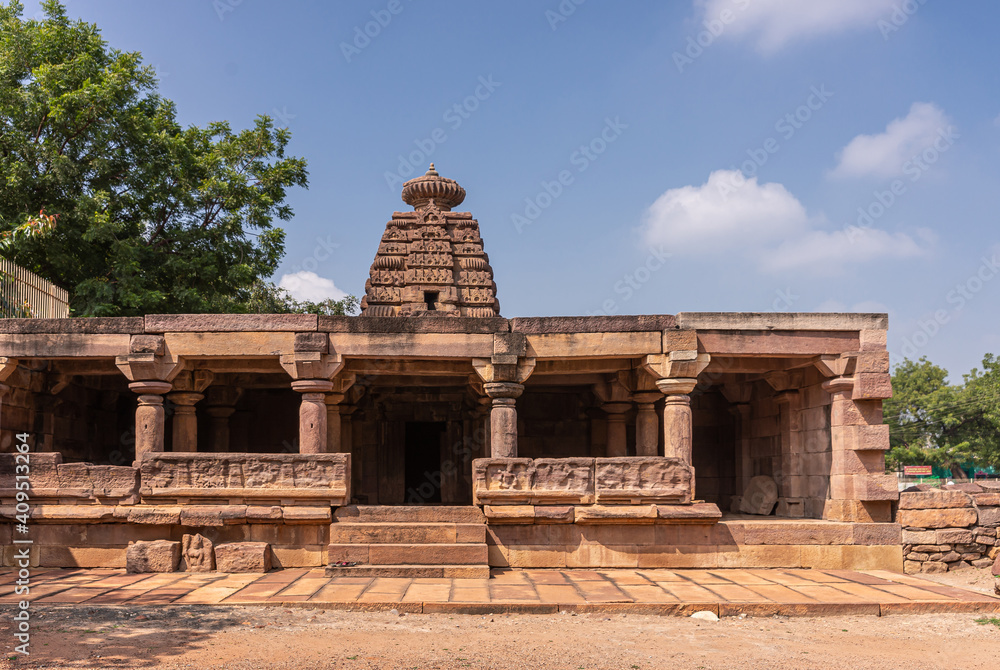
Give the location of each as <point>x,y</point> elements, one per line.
<point>718,155</point>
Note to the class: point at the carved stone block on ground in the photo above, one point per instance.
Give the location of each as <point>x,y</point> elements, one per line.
<point>197,554</point>
<point>152,556</point>
<point>760,496</point>
<point>243,557</point>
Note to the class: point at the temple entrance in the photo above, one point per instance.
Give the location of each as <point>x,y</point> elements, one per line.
<point>423,474</point>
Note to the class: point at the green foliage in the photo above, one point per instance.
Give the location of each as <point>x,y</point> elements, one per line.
<point>153,217</point>
<point>266,298</point>
<point>934,423</point>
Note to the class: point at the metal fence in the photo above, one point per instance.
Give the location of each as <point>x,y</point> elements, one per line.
<point>23,294</point>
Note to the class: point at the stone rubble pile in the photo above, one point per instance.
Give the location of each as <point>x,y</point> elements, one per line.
<point>950,528</point>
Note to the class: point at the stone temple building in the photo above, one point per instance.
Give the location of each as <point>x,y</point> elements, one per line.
<point>431,436</point>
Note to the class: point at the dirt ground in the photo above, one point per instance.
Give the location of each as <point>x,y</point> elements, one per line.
<point>167,637</point>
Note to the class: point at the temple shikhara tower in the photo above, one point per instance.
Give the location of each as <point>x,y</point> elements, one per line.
<point>429,436</point>
<point>431,259</point>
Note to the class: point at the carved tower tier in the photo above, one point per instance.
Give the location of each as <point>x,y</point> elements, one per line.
<point>431,260</point>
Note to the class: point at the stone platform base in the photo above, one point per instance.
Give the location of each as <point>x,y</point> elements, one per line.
<point>737,541</point>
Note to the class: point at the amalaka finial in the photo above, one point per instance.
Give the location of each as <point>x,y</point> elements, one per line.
<point>431,172</point>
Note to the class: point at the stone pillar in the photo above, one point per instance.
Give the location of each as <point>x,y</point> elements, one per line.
<point>617,443</point>
<point>149,417</point>
<point>744,464</point>
<point>185,421</point>
<point>647,424</point>
<point>221,405</point>
<point>503,418</point>
<point>312,414</point>
<point>789,474</point>
<point>334,427</point>
<point>677,430</point>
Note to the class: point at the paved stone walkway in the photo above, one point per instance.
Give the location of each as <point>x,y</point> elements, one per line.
<point>725,592</point>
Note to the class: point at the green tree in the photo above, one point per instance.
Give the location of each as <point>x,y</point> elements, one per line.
<point>152,217</point>
<point>266,298</point>
<point>924,417</point>
<point>932,422</point>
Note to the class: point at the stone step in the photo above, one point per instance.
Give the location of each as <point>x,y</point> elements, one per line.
<point>409,554</point>
<point>409,514</point>
<point>412,571</point>
<point>407,533</point>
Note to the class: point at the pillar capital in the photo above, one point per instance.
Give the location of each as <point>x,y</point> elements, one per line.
<point>838,385</point>
<point>303,365</point>
<point>312,385</point>
<point>492,370</point>
<point>150,388</point>
<point>185,399</point>
<point>616,409</point>
<point>144,366</point>
<point>676,364</point>
<point>676,386</point>
<point>497,390</point>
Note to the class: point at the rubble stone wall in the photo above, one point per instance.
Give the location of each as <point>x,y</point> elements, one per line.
<point>949,529</point>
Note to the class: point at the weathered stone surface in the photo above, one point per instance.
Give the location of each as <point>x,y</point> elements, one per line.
<point>219,323</point>
<point>89,325</point>
<point>243,557</point>
<point>637,480</point>
<point>197,554</point>
<point>413,324</point>
<point>937,518</point>
<point>760,496</point>
<point>919,537</point>
<point>934,499</point>
<point>953,536</point>
<point>996,566</point>
<point>239,476</point>
<point>989,516</point>
<point>616,514</point>
<point>519,481</point>
<point>154,556</point>
<point>934,567</point>
<point>160,516</point>
<point>592,324</point>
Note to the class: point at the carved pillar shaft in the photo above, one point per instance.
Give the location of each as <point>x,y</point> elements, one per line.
<point>677,424</point>
<point>334,429</point>
<point>647,425</point>
<point>149,417</point>
<point>503,418</point>
<point>312,414</point>
<point>185,421</point>
<point>617,443</point>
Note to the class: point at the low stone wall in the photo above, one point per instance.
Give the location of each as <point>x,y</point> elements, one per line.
<point>949,529</point>
<point>581,481</point>
<point>86,516</point>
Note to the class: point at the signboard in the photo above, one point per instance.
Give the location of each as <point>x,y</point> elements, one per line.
<point>917,470</point>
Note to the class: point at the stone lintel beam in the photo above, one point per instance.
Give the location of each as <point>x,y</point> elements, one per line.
<point>311,365</point>
<point>686,363</point>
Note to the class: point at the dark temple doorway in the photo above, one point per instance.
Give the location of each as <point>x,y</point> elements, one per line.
<point>423,475</point>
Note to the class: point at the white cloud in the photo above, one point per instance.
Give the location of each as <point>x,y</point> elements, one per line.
<point>725,211</point>
<point>828,252</point>
<point>768,225</point>
<point>775,23</point>
<point>310,286</point>
<point>884,155</point>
